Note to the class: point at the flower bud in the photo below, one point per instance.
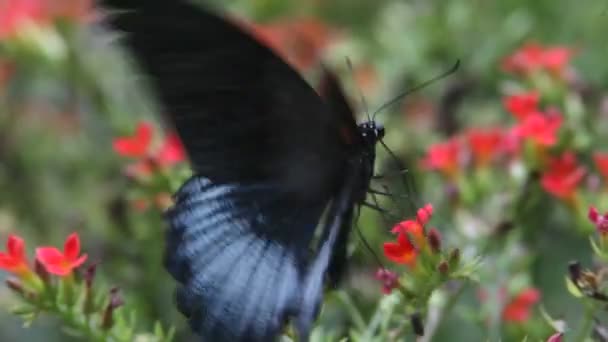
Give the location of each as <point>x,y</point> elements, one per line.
<point>434,240</point>
<point>41,271</point>
<point>115,301</point>
<point>15,285</point>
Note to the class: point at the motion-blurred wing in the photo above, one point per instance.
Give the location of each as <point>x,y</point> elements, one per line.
<point>242,113</point>
<point>241,253</point>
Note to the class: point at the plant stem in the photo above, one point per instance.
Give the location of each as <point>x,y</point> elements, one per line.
<point>587,323</point>
<point>434,325</point>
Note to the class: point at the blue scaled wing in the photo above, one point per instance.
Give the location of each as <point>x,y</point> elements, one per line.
<point>240,252</point>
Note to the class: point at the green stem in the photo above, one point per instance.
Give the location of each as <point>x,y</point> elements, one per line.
<point>587,323</point>
<point>447,308</point>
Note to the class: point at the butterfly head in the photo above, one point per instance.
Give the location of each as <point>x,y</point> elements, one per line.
<point>371,132</point>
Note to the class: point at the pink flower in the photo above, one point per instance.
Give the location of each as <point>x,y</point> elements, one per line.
<point>62,263</point>
<point>600,221</point>
<point>389,280</point>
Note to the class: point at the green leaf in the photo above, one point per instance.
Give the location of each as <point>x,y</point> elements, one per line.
<point>573,289</point>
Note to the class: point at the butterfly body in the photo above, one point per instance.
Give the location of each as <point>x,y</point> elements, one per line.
<point>263,225</point>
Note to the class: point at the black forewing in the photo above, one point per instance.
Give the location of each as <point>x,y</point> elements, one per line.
<point>242,113</point>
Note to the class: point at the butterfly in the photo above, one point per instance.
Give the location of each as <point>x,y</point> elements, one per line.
<point>260,229</point>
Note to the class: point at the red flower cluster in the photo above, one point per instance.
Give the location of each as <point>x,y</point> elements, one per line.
<point>518,310</point>
<point>54,261</point>
<point>562,176</point>
<point>533,57</point>
<point>411,238</point>
<point>140,146</point>
<point>17,14</point>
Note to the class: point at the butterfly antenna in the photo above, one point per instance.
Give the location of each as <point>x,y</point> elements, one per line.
<point>364,240</point>
<point>349,64</point>
<point>406,181</point>
<point>417,87</point>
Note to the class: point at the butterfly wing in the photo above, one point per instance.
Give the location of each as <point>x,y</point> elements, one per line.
<point>269,158</point>
<point>243,114</point>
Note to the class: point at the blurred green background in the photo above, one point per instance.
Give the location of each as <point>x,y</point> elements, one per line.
<point>58,116</point>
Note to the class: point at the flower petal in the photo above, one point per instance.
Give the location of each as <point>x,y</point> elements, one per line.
<point>71,248</point>
<point>49,255</point>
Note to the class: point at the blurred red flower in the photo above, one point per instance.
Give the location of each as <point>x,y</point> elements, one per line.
<point>521,105</point>
<point>485,144</point>
<point>600,221</point>
<point>300,41</point>
<point>601,162</point>
<point>17,14</point>
<point>14,259</point>
<point>532,57</point>
<point>557,337</point>
<point>62,263</point>
<point>540,128</point>
<point>562,176</point>
<point>404,250</point>
<point>518,310</point>
<point>444,157</point>
<point>137,145</point>
<point>170,152</point>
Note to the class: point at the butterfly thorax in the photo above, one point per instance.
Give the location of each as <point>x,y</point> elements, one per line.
<point>371,133</point>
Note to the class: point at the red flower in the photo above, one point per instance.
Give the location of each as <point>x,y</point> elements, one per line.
<point>136,145</point>
<point>518,310</point>
<point>14,260</point>
<point>171,151</point>
<point>600,221</point>
<point>410,238</point>
<point>540,128</point>
<point>15,14</point>
<point>485,144</point>
<point>521,105</point>
<point>444,157</point>
<point>601,162</point>
<point>62,264</point>
<point>532,57</point>
<point>389,280</point>
<point>562,176</point>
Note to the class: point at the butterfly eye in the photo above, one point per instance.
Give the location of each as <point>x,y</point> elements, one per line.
<point>380,132</point>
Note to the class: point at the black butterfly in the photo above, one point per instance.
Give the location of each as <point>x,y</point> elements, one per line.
<point>279,172</point>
